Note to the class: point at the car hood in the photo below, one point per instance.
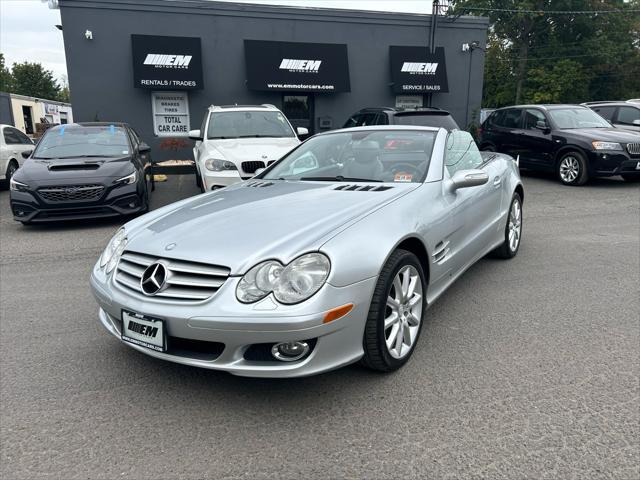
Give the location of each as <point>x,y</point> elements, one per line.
<point>603,134</point>
<point>248,149</point>
<point>83,170</point>
<point>253,221</point>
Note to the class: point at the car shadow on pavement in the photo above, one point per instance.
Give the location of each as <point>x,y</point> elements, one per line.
<point>597,182</point>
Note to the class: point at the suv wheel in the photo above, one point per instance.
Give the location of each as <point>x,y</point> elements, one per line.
<point>572,169</point>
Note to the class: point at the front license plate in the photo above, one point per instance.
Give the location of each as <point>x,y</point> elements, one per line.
<point>144,331</point>
<point>638,166</point>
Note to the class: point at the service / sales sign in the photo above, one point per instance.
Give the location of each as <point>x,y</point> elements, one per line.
<point>416,70</point>
<point>170,114</point>
<point>166,63</point>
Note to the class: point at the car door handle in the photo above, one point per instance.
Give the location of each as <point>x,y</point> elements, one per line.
<point>497,181</point>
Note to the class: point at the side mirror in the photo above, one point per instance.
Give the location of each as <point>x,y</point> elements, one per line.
<point>468,178</point>
<point>301,131</point>
<point>636,122</point>
<point>259,171</point>
<point>195,135</point>
<point>27,153</point>
<point>542,125</point>
<point>144,148</point>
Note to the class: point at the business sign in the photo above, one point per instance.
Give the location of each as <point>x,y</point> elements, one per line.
<point>416,70</point>
<point>170,114</point>
<point>166,63</point>
<point>303,67</point>
<point>50,108</point>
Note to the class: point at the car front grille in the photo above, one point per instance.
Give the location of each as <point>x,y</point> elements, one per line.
<point>633,148</point>
<point>69,193</point>
<point>251,167</point>
<point>185,281</point>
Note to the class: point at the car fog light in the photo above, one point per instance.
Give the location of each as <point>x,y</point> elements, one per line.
<point>289,351</point>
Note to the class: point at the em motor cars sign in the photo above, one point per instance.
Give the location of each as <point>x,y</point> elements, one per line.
<point>166,63</point>
<point>293,66</point>
<point>416,70</point>
<point>170,114</point>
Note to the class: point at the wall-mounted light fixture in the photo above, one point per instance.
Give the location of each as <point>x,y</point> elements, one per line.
<point>88,34</point>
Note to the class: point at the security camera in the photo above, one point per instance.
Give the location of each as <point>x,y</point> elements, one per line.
<point>88,35</point>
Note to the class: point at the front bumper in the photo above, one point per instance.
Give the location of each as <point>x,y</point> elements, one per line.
<point>224,178</point>
<point>614,162</point>
<point>28,207</point>
<point>232,329</point>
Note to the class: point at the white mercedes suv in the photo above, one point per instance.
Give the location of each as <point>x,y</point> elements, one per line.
<point>237,140</point>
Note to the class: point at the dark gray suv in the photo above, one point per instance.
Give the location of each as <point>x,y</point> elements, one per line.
<point>424,117</point>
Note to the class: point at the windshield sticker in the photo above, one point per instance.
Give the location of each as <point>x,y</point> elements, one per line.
<point>125,152</point>
<point>62,130</point>
<point>112,129</point>
<point>402,177</point>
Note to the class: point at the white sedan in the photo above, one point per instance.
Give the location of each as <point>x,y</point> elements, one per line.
<point>235,141</point>
<point>13,143</point>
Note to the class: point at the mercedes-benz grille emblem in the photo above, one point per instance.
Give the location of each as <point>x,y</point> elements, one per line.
<point>153,279</point>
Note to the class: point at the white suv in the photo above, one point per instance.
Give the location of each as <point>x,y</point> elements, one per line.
<point>13,144</point>
<point>235,141</point>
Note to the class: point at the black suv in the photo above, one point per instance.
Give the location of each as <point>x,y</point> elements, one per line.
<point>620,114</point>
<point>424,117</point>
<point>570,140</point>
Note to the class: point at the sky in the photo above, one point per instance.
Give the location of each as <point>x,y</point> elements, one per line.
<point>28,33</point>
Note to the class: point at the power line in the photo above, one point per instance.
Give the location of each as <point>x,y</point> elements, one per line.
<point>550,12</point>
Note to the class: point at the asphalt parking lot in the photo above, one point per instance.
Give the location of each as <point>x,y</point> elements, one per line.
<point>526,369</point>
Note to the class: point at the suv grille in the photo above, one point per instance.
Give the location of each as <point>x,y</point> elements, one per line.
<point>633,148</point>
<point>186,281</point>
<point>68,193</point>
<point>251,167</point>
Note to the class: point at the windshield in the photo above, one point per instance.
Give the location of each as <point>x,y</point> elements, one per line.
<point>253,124</point>
<point>577,118</point>
<point>426,120</point>
<point>367,156</point>
<point>80,141</point>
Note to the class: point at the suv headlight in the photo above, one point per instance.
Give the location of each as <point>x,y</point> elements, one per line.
<point>18,186</point>
<point>115,247</point>
<point>292,283</point>
<point>217,165</point>
<point>128,180</point>
<point>606,146</point>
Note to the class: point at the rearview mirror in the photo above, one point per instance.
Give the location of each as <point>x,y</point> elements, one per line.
<point>636,122</point>
<point>144,148</point>
<point>195,135</point>
<point>27,153</point>
<point>301,131</point>
<point>468,178</point>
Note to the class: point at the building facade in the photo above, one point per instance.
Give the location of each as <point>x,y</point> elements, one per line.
<point>159,64</point>
<point>26,113</point>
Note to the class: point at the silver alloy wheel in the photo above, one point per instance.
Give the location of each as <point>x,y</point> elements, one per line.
<point>569,169</point>
<point>515,225</point>
<point>403,313</point>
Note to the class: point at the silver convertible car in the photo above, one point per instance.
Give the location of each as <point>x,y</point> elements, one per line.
<point>329,256</point>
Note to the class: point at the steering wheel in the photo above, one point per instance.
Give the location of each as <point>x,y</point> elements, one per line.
<point>405,168</point>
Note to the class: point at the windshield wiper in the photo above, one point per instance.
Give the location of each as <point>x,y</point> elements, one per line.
<point>340,178</point>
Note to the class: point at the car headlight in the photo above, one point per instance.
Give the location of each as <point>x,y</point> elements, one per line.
<point>606,146</point>
<point>292,283</point>
<point>18,186</point>
<point>128,180</point>
<point>217,165</point>
<point>115,247</point>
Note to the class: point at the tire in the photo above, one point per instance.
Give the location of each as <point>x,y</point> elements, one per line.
<point>511,245</point>
<point>572,169</point>
<point>11,169</point>
<point>409,314</point>
<point>631,178</point>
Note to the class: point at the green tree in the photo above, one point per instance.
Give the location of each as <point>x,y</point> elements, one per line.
<point>558,50</point>
<point>33,80</point>
<point>6,80</point>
